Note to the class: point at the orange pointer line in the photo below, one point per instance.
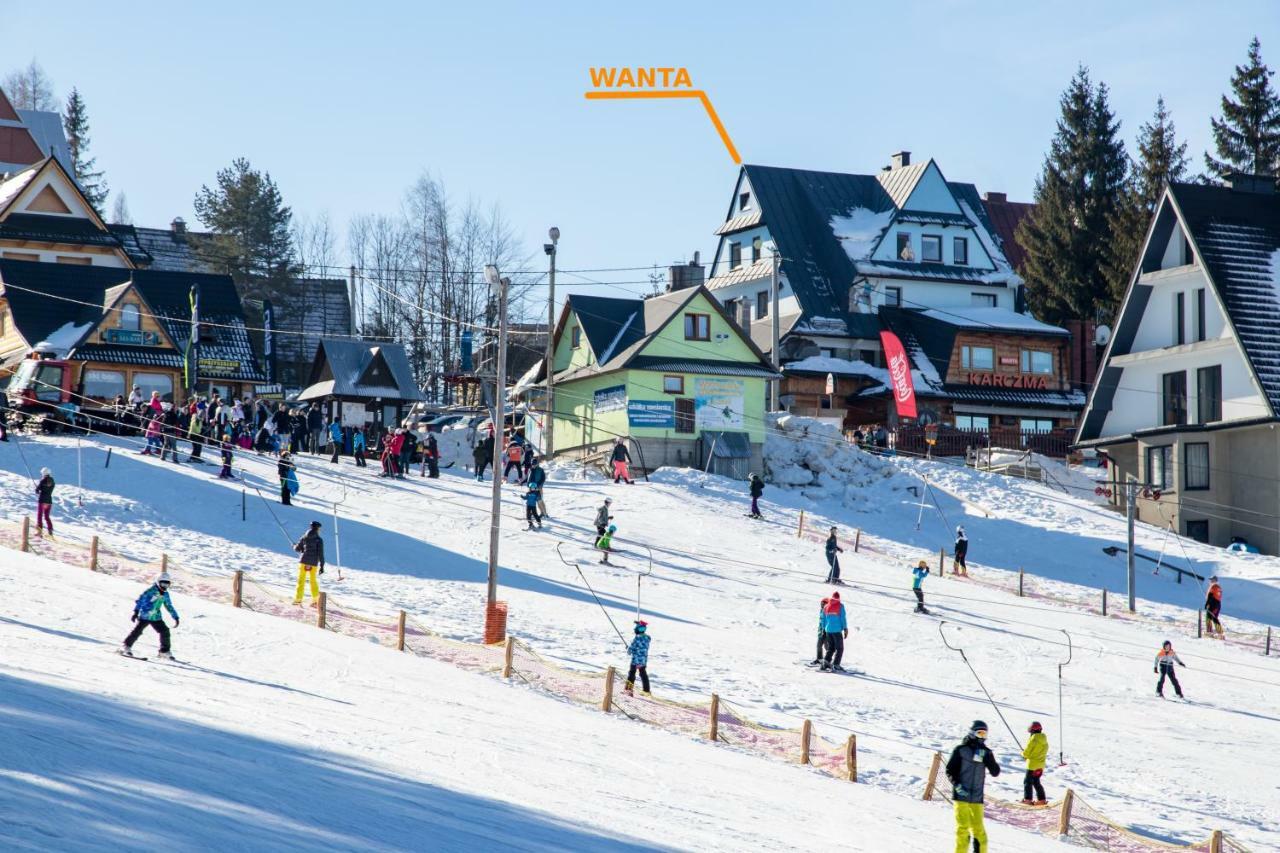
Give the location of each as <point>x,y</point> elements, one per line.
<point>677,93</point>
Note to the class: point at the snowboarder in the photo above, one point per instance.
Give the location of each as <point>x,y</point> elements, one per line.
<point>961,568</point>
<point>621,459</point>
<point>335,440</point>
<point>836,628</point>
<point>1035,752</point>
<point>148,610</point>
<point>967,770</point>
<point>639,650</point>
<point>1165,659</point>
<point>311,549</point>
<point>531,508</point>
<point>357,447</point>
<point>603,517</point>
<point>605,543</point>
<point>44,501</point>
<point>1213,609</point>
<point>833,562</point>
<point>918,574</point>
<point>757,489</point>
<point>822,634</point>
<point>288,478</point>
<point>431,457</point>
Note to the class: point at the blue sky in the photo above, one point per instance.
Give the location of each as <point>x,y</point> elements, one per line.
<point>346,104</point>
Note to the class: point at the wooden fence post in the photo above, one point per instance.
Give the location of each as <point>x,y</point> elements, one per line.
<point>1268,651</point>
<point>1215,841</point>
<point>321,605</point>
<point>1104,601</point>
<point>942,561</point>
<point>857,540</point>
<point>934,766</point>
<point>508,656</point>
<point>851,757</point>
<point>800,529</point>
<point>164,562</point>
<point>806,730</point>
<point>1064,817</point>
<point>713,729</point>
<point>400,632</point>
<point>26,533</point>
<point>1199,624</point>
<point>237,588</point>
<point>607,704</point>
<point>1020,578</point>
<point>93,554</point>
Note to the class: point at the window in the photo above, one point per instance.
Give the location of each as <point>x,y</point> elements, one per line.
<point>1179,319</point>
<point>826,352</point>
<point>978,422</point>
<point>575,338</point>
<point>735,255</point>
<point>130,317</point>
<point>762,304</point>
<point>1160,467</point>
<point>697,327</point>
<point>960,251</point>
<point>148,382</point>
<point>931,249</point>
<point>870,356</point>
<point>757,248</point>
<point>1195,465</point>
<point>904,247</point>
<point>1199,314</point>
<point>21,256</point>
<point>104,384</point>
<point>684,414</point>
<point>982,300</point>
<point>1035,424</point>
<point>978,358</point>
<point>72,259</point>
<point>1037,361</point>
<point>673,385</point>
<point>1173,398</point>
<point>731,309</point>
<point>744,201</point>
<point>48,383</point>
<point>1198,530</point>
<point>1209,394</point>
<point>893,296</point>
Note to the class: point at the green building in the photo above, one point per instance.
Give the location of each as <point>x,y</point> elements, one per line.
<point>671,373</point>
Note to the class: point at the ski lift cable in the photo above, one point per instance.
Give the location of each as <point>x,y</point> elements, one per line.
<point>965,658</point>
<point>603,609</point>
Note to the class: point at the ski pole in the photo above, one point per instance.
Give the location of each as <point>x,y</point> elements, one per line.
<point>1061,727</point>
<point>965,658</point>
<point>593,595</point>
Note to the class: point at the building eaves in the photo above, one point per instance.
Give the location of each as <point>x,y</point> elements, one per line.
<point>741,222</point>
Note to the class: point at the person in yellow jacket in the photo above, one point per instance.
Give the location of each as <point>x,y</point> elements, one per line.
<point>1035,752</point>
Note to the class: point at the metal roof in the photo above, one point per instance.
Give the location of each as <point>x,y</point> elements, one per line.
<point>741,222</point>
<point>361,369</point>
<point>713,367</point>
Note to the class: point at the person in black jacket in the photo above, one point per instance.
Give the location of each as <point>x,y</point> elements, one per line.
<point>431,457</point>
<point>315,426</point>
<point>833,548</point>
<point>483,455</point>
<point>621,459</point>
<point>283,466</point>
<point>44,501</point>
<point>961,568</point>
<point>170,426</point>
<point>757,489</point>
<point>967,770</point>
<point>310,549</point>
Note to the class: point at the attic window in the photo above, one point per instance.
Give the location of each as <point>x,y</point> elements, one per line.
<point>757,248</point>
<point>931,249</point>
<point>744,201</point>
<point>697,327</point>
<point>960,251</point>
<point>575,338</point>
<point>130,317</point>
<point>905,252</point>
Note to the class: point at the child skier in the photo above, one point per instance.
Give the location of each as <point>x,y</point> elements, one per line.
<point>918,574</point>
<point>603,517</point>
<point>531,508</point>
<point>605,542</point>
<point>961,568</point>
<point>836,628</point>
<point>147,610</point>
<point>1165,659</point>
<point>44,501</point>
<point>639,650</point>
<point>225,473</point>
<point>757,489</point>
<point>1035,752</point>
<point>284,470</point>
<point>833,562</point>
<point>822,634</point>
<point>1213,609</point>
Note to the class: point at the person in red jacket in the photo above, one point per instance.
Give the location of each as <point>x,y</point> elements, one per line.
<point>397,445</point>
<point>1213,609</point>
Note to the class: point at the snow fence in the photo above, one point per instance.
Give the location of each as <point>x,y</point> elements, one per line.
<point>1070,819</point>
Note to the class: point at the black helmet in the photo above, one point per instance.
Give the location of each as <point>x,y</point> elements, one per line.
<point>978,726</point>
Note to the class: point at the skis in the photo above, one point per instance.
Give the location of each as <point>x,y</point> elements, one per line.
<point>130,655</point>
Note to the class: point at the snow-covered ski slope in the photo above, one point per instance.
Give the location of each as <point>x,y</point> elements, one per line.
<point>732,604</point>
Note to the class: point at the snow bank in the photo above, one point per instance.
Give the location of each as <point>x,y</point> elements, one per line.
<point>860,230</point>
<point>813,456</point>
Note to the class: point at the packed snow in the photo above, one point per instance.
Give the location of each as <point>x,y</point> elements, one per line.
<point>860,230</point>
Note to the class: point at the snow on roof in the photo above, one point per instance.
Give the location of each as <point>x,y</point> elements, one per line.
<point>16,184</point>
<point>860,230</point>
<point>923,377</point>
<point>66,336</point>
<point>991,318</point>
<point>613,344</point>
<point>984,237</point>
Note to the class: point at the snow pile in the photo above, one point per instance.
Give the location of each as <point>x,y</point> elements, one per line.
<point>455,443</point>
<point>1069,479</point>
<point>859,232</point>
<point>813,456</point>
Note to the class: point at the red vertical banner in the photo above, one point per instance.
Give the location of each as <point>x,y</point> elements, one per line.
<point>895,356</point>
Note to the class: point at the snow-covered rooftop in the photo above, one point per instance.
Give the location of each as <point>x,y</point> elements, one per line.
<point>1001,319</point>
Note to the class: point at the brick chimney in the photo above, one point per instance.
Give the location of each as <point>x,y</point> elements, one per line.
<point>179,227</point>
<point>682,276</point>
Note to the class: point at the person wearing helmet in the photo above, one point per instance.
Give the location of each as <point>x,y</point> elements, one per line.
<point>961,568</point>
<point>1035,752</point>
<point>1165,659</point>
<point>918,574</point>
<point>967,770</point>
<point>605,542</point>
<point>311,555</point>
<point>638,648</point>
<point>621,458</point>
<point>148,611</point>
<point>1213,609</point>
<point>822,634</point>
<point>603,517</point>
<point>833,562</point>
<point>836,628</point>
<point>44,501</point>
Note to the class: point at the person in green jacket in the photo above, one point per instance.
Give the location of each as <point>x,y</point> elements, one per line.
<point>605,541</point>
<point>1035,752</point>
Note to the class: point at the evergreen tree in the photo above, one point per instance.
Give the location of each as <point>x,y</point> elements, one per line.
<point>75,122</point>
<point>250,232</point>
<point>1161,160</point>
<point>1247,137</point>
<point>1067,236</point>
<point>30,88</point>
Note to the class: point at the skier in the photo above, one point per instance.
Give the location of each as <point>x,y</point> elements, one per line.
<point>918,574</point>
<point>1165,659</point>
<point>603,517</point>
<point>514,456</point>
<point>605,543</point>
<point>335,440</point>
<point>397,455</point>
<point>639,650</point>
<point>483,455</point>
<point>961,568</point>
<point>621,459</point>
<point>531,508</point>
<point>387,458</point>
<point>225,447</point>
<point>153,436</point>
<point>357,447</point>
<point>822,634</point>
<point>147,610</point>
<point>311,549</point>
<point>1035,752</point>
<point>44,501</point>
<point>537,479</point>
<point>431,457</point>
<point>833,562</point>
<point>967,770</point>
<point>314,424</point>
<point>757,489</point>
<point>836,628</point>
<point>1213,609</point>
<point>408,445</point>
<point>284,470</point>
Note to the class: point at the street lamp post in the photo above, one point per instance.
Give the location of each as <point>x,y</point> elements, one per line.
<point>499,422</point>
<point>548,429</point>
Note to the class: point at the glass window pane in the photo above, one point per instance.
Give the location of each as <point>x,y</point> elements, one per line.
<point>149,382</point>
<point>931,248</point>
<point>960,250</point>
<point>1197,466</point>
<point>982,358</point>
<point>103,384</point>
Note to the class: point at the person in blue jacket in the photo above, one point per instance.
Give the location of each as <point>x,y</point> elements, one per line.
<point>531,508</point>
<point>357,447</point>
<point>836,628</point>
<point>918,574</point>
<point>639,649</point>
<point>148,610</point>
<point>335,440</point>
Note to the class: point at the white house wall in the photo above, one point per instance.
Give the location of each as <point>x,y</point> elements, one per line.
<point>1157,327</point>
<point>931,193</point>
<point>1137,402</point>
<point>942,295</point>
<point>979,259</point>
<point>721,265</point>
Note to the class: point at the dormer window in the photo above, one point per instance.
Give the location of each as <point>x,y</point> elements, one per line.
<point>575,337</point>
<point>744,201</point>
<point>735,255</point>
<point>960,251</point>
<point>905,252</point>
<point>757,248</point>
<point>931,249</point>
<point>130,317</point>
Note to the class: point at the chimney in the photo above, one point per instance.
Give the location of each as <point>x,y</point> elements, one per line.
<point>683,276</point>
<point>1243,182</point>
<point>900,159</point>
<point>179,227</point>
<point>744,315</point>
<point>998,198</point>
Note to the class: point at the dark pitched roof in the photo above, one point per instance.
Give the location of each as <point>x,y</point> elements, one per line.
<point>605,320</point>
<point>56,229</point>
<point>128,237</point>
<point>1005,217</point>
<point>342,368</point>
<point>317,308</point>
<point>169,250</point>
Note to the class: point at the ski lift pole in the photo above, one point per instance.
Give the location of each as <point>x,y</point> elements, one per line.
<point>1061,727</point>
<point>980,684</point>
<point>337,540</point>
<point>640,576</point>
<point>605,611</point>
<point>79,473</point>
<point>922,504</point>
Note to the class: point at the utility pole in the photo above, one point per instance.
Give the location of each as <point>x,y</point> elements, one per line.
<point>548,429</point>
<point>499,423</point>
<point>774,384</point>
<point>1131,501</point>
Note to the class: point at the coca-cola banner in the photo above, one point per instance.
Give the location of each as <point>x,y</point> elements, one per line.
<point>895,356</point>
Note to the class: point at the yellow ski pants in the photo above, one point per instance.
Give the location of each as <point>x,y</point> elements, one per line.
<point>303,573</point>
<point>969,822</point>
